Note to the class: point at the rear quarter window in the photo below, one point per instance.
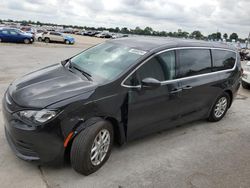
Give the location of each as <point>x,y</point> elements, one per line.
<point>223,60</point>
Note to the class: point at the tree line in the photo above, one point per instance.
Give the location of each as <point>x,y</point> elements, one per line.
<point>143,31</point>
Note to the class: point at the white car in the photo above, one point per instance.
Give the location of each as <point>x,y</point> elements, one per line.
<point>39,37</point>
<point>246,76</point>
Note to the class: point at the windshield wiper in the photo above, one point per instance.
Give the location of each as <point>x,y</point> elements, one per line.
<point>86,74</point>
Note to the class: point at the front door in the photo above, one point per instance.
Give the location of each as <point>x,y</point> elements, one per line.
<point>157,109</point>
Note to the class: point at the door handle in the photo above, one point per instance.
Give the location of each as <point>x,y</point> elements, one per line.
<point>176,90</point>
<point>187,87</point>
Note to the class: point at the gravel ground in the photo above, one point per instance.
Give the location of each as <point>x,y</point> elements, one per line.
<point>198,154</point>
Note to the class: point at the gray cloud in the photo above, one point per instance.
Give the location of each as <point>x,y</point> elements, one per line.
<point>208,16</point>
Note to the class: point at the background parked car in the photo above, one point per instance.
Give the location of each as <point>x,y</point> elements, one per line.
<point>57,37</point>
<point>91,33</point>
<point>39,37</point>
<point>117,35</point>
<point>104,35</point>
<point>27,29</point>
<point>246,76</point>
<point>15,35</point>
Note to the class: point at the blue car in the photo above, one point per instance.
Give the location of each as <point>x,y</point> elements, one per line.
<point>15,35</point>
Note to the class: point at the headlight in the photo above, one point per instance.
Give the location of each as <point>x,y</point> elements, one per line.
<point>41,116</point>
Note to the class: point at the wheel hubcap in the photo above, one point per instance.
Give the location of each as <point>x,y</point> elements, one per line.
<point>100,147</point>
<point>220,107</point>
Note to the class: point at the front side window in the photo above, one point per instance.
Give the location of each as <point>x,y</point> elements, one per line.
<point>160,67</point>
<point>223,59</point>
<point>194,62</point>
<point>108,60</point>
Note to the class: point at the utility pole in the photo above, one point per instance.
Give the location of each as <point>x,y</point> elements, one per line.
<point>248,41</point>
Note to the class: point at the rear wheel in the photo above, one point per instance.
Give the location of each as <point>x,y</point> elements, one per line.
<point>26,41</point>
<point>47,40</point>
<point>92,148</point>
<point>67,42</point>
<point>245,85</point>
<point>0,40</point>
<point>220,108</point>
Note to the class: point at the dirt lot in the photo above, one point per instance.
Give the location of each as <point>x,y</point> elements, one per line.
<point>198,154</point>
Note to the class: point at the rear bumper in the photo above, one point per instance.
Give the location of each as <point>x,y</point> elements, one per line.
<point>246,77</point>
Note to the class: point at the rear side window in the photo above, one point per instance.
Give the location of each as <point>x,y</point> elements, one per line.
<point>223,60</point>
<point>4,32</point>
<point>194,62</point>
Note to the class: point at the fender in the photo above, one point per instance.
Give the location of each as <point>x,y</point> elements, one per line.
<point>80,126</point>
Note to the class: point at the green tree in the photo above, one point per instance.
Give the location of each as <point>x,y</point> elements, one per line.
<point>163,33</point>
<point>225,36</point>
<point>196,35</point>
<point>218,35</point>
<point>148,31</point>
<point>125,30</point>
<point>234,36</point>
<point>138,31</point>
<point>117,30</point>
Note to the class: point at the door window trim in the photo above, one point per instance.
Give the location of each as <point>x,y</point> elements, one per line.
<point>184,78</point>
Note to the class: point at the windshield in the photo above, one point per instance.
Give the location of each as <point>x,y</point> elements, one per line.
<point>106,61</point>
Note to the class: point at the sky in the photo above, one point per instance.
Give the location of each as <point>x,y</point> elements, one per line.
<point>208,16</point>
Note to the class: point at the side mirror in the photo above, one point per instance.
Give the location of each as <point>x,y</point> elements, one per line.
<point>150,83</point>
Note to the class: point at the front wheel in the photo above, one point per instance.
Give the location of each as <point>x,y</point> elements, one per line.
<point>220,108</point>
<point>92,147</point>
<point>0,40</point>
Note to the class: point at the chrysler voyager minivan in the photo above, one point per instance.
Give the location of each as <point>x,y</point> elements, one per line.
<point>117,91</point>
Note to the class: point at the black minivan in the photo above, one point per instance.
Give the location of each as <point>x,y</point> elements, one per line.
<point>115,92</point>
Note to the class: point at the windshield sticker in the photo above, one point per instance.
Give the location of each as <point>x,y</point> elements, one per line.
<point>135,51</point>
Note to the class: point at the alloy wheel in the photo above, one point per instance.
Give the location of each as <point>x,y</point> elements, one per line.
<point>220,107</point>
<point>100,147</point>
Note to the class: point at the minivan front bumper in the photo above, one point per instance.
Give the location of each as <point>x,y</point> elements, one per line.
<point>43,145</point>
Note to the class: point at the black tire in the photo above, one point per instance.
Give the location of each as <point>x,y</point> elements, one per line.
<point>40,39</point>
<point>212,117</point>
<point>80,155</point>
<point>26,41</point>
<point>66,42</point>
<point>0,40</point>
<point>47,40</point>
<point>245,85</point>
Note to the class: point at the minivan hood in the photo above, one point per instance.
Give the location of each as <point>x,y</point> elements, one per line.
<point>48,86</point>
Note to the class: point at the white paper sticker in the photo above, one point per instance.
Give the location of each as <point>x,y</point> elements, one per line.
<point>135,51</point>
